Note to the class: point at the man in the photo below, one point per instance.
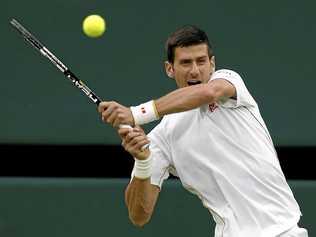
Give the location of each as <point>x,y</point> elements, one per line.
<point>214,139</point>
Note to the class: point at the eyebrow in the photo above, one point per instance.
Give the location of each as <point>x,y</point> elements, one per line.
<point>202,57</point>
<point>187,60</point>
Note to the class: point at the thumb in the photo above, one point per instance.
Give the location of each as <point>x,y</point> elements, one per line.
<point>138,129</point>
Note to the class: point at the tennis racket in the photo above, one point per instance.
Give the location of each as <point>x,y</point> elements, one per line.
<point>46,53</point>
<point>32,40</point>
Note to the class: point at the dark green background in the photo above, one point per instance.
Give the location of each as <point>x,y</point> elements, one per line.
<point>270,43</point>
<point>95,207</point>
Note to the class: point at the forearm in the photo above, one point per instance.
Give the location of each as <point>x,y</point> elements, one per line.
<point>140,198</point>
<point>184,99</point>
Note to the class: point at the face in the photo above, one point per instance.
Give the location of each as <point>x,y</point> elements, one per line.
<point>191,65</point>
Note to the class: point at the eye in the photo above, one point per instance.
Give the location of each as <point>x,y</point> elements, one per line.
<point>185,62</point>
<point>201,61</point>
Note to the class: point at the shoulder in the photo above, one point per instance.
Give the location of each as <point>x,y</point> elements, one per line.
<point>225,74</point>
<point>243,96</point>
<point>231,76</point>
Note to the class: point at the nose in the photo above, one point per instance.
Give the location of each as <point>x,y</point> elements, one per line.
<point>194,70</point>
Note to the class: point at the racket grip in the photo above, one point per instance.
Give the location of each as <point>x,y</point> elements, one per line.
<point>130,127</point>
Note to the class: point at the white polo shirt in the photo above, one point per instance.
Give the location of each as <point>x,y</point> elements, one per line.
<point>224,154</point>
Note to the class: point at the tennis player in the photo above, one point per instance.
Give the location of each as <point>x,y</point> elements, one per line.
<point>214,139</point>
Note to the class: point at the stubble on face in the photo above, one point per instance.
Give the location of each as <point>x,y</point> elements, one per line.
<point>192,65</point>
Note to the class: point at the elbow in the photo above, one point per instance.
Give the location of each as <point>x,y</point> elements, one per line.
<point>212,93</point>
<point>209,95</point>
<point>139,216</point>
<point>139,220</point>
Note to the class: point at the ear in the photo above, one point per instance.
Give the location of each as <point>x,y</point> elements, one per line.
<point>212,62</point>
<point>169,69</point>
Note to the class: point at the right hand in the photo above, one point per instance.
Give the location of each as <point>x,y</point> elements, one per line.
<point>115,113</point>
<point>133,139</point>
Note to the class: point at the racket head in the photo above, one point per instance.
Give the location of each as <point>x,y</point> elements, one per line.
<point>26,34</point>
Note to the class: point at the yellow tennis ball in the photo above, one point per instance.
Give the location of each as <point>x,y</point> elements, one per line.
<point>94,26</point>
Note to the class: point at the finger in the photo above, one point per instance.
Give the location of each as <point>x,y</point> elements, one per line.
<point>143,145</point>
<point>137,138</point>
<point>140,144</point>
<point>102,106</point>
<point>138,128</point>
<point>119,119</point>
<point>130,136</point>
<point>111,118</point>
<point>123,132</point>
<point>107,112</point>
<point>134,137</point>
<point>128,147</point>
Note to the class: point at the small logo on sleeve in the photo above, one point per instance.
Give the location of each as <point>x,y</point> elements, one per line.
<point>212,107</point>
<point>143,110</point>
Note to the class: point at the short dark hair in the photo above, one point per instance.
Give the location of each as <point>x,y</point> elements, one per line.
<point>186,36</point>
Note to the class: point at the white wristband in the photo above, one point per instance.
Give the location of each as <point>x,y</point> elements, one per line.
<point>143,168</point>
<point>145,113</point>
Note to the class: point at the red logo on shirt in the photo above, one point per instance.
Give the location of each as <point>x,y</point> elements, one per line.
<point>212,107</point>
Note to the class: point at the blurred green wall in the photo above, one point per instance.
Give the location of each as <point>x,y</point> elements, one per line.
<point>270,43</point>
<point>35,207</point>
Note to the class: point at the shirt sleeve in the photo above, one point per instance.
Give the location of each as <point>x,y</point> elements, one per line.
<point>244,98</point>
<point>160,155</point>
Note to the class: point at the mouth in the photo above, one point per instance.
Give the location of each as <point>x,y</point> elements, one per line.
<point>193,82</point>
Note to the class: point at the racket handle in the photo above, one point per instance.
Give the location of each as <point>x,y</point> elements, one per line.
<point>130,127</point>
<point>125,126</point>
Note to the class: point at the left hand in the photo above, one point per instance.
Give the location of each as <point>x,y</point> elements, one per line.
<point>133,140</point>
<point>115,114</point>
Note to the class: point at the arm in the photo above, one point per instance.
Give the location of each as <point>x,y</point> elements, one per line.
<point>191,97</point>
<point>180,100</point>
<point>140,194</point>
<point>140,198</point>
